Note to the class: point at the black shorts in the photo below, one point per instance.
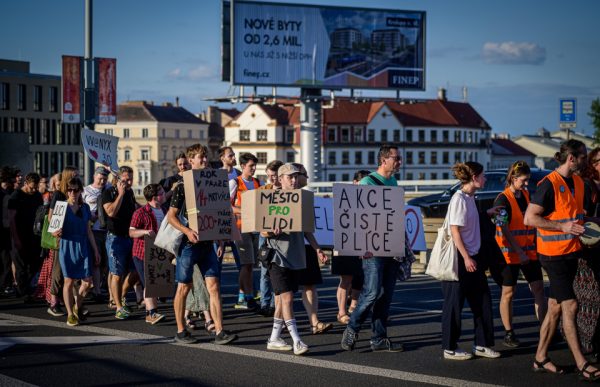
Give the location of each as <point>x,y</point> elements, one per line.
<point>312,274</point>
<point>345,265</point>
<point>508,275</point>
<point>561,274</point>
<point>283,280</point>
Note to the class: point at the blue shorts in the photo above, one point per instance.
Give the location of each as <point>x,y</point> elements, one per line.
<point>202,254</point>
<point>118,250</point>
<point>139,267</point>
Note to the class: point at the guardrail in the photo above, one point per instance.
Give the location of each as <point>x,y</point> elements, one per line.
<point>410,186</point>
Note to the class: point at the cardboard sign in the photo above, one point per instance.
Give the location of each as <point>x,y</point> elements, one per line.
<point>58,216</point>
<point>368,218</point>
<point>159,274</point>
<point>100,147</point>
<point>267,209</point>
<point>324,221</point>
<point>208,203</point>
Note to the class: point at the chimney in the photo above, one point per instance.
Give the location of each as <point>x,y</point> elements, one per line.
<point>465,94</point>
<point>442,94</point>
<point>177,101</point>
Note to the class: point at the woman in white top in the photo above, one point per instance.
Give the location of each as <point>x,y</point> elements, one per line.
<point>472,285</point>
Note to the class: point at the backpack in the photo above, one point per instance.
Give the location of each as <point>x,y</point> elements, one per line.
<point>38,222</point>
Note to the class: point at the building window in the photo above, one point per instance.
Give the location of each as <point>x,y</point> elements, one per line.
<point>164,153</point>
<point>37,98</point>
<point>371,135</point>
<point>331,177</point>
<point>53,99</point>
<point>290,157</point>
<point>433,136</point>
<point>345,158</point>
<point>421,136</point>
<point>190,133</point>
<point>145,154</point>
<point>22,97</point>
<point>126,133</point>
<point>446,158</point>
<point>445,175</point>
<point>145,133</point>
<point>164,133</point>
<point>331,134</point>
<point>176,133</point>
<point>434,158</point>
<point>421,158</point>
<point>397,176</point>
<point>409,137</point>
<point>261,135</point>
<point>383,135</point>
<point>371,158</point>
<point>409,176</point>
<point>345,177</point>
<point>202,135</point>
<point>433,176</point>
<point>127,155</point>
<point>457,157</point>
<point>470,137</point>
<point>345,135</point>
<point>289,135</point>
<point>421,176</point>
<point>457,136</point>
<point>358,158</point>
<point>332,158</point>
<point>4,96</point>
<point>244,135</point>
<point>108,131</point>
<point>358,135</point>
<point>396,135</point>
<point>445,136</point>
<point>409,158</point>
<point>262,157</point>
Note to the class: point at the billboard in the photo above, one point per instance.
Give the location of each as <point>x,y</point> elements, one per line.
<point>106,79</point>
<point>326,47</point>
<point>72,80</point>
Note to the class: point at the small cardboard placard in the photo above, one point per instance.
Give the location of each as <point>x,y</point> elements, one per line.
<point>58,216</point>
<point>268,209</point>
<point>159,273</point>
<point>368,218</point>
<point>100,147</point>
<point>208,204</point>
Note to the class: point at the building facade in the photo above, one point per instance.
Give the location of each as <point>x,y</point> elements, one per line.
<point>30,104</point>
<point>151,137</point>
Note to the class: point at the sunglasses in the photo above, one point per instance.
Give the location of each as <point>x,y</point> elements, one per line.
<point>74,190</point>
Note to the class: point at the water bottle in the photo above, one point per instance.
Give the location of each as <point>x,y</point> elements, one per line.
<point>501,217</point>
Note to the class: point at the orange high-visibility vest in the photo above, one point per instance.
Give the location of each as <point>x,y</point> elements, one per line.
<point>524,235</point>
<point>241,188</point>
<point>567,207</point>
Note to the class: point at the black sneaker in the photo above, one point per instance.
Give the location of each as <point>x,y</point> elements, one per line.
<point>264,311</point>
<point>386,345</point>
<point>349,339</point>
<point>185,338</point>
<point>252,305</point>
<point>511,341</point>
<point>224,337</point>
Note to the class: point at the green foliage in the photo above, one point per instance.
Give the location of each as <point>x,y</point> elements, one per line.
<point>595,116</point>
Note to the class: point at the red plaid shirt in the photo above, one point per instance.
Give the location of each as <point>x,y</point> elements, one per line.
<point>143,219</point>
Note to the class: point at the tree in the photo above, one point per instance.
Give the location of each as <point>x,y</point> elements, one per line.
<point>595,116</point>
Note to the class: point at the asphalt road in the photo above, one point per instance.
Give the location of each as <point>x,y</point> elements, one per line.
<point>38,349</point>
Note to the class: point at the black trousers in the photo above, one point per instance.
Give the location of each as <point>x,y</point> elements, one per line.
<point>28,262</point>
<point>474,288</point>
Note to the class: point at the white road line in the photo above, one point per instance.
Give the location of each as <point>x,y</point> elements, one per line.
<point>11,323</point>
<point>8,381</point>
<point>305,361</point>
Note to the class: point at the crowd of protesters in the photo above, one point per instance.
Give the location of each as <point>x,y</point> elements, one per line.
<point>98,254</point>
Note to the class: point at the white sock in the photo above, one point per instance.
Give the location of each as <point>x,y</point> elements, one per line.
<point>277,327</point>
<point>291,326</point>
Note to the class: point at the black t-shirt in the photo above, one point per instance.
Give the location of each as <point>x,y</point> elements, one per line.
<point>119,224</point>
<point>178,199</point>
<point>591,203</point>
<point>502,200</point>
<point>57,196</point>
<point>25,206</point>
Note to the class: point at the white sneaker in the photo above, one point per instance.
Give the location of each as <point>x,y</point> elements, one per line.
<point>300,348</point>
<point>485,352</point>
<point>457,354</point>
<point>278,344</point>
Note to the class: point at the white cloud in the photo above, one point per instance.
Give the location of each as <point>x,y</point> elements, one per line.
<point>175,73</point>
<point>200,72</point>
<point>513,53</point>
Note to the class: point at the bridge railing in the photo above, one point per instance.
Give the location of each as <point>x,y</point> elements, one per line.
<point>412,188</point>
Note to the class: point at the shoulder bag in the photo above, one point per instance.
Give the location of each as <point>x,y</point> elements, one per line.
<point>443,261</point>
<point>168,237</point>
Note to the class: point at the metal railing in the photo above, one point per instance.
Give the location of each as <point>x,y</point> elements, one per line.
<point>410,186</point>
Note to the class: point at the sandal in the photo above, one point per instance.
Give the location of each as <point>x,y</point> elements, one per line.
<point>209,326</point>
<point>189,323</point>
<point>351,309</point>
<point>588,376</point>
<point>343,319</point>
<point>321,327</point>
<point>538,366</point>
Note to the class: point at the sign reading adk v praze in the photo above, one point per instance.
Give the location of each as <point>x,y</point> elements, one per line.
<point>368,218</point>
<point>100,147</point>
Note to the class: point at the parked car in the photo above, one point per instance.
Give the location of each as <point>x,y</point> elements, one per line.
<point>436,205</point>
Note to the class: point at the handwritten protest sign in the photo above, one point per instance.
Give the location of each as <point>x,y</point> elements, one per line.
<point>368,218</point>
<point>208,205</point>
<point>58,216</point>
<point>324,221</point>
<point>100,147</point>
<point>267,209</point>
<point>159,273</point>
<point>414,228</point>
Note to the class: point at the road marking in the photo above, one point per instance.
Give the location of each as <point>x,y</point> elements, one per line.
<point>305,361</point>
<point>11,323</point>
<point>8,381</point>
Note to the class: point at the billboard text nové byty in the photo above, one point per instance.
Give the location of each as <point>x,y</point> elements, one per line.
<point>327,47</point>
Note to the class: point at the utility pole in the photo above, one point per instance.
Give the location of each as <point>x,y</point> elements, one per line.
<point>90,91</point>
<point>310,132</point>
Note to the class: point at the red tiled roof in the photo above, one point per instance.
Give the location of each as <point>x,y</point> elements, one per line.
<point>511,147</point>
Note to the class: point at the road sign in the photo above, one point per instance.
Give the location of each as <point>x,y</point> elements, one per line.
<point>568,111</point>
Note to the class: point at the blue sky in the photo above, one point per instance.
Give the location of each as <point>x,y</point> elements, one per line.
<point>516,58</point>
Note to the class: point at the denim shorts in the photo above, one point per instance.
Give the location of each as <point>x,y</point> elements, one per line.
<point>202,254</point>
<point>139,267</point>
<point>118,250</point>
